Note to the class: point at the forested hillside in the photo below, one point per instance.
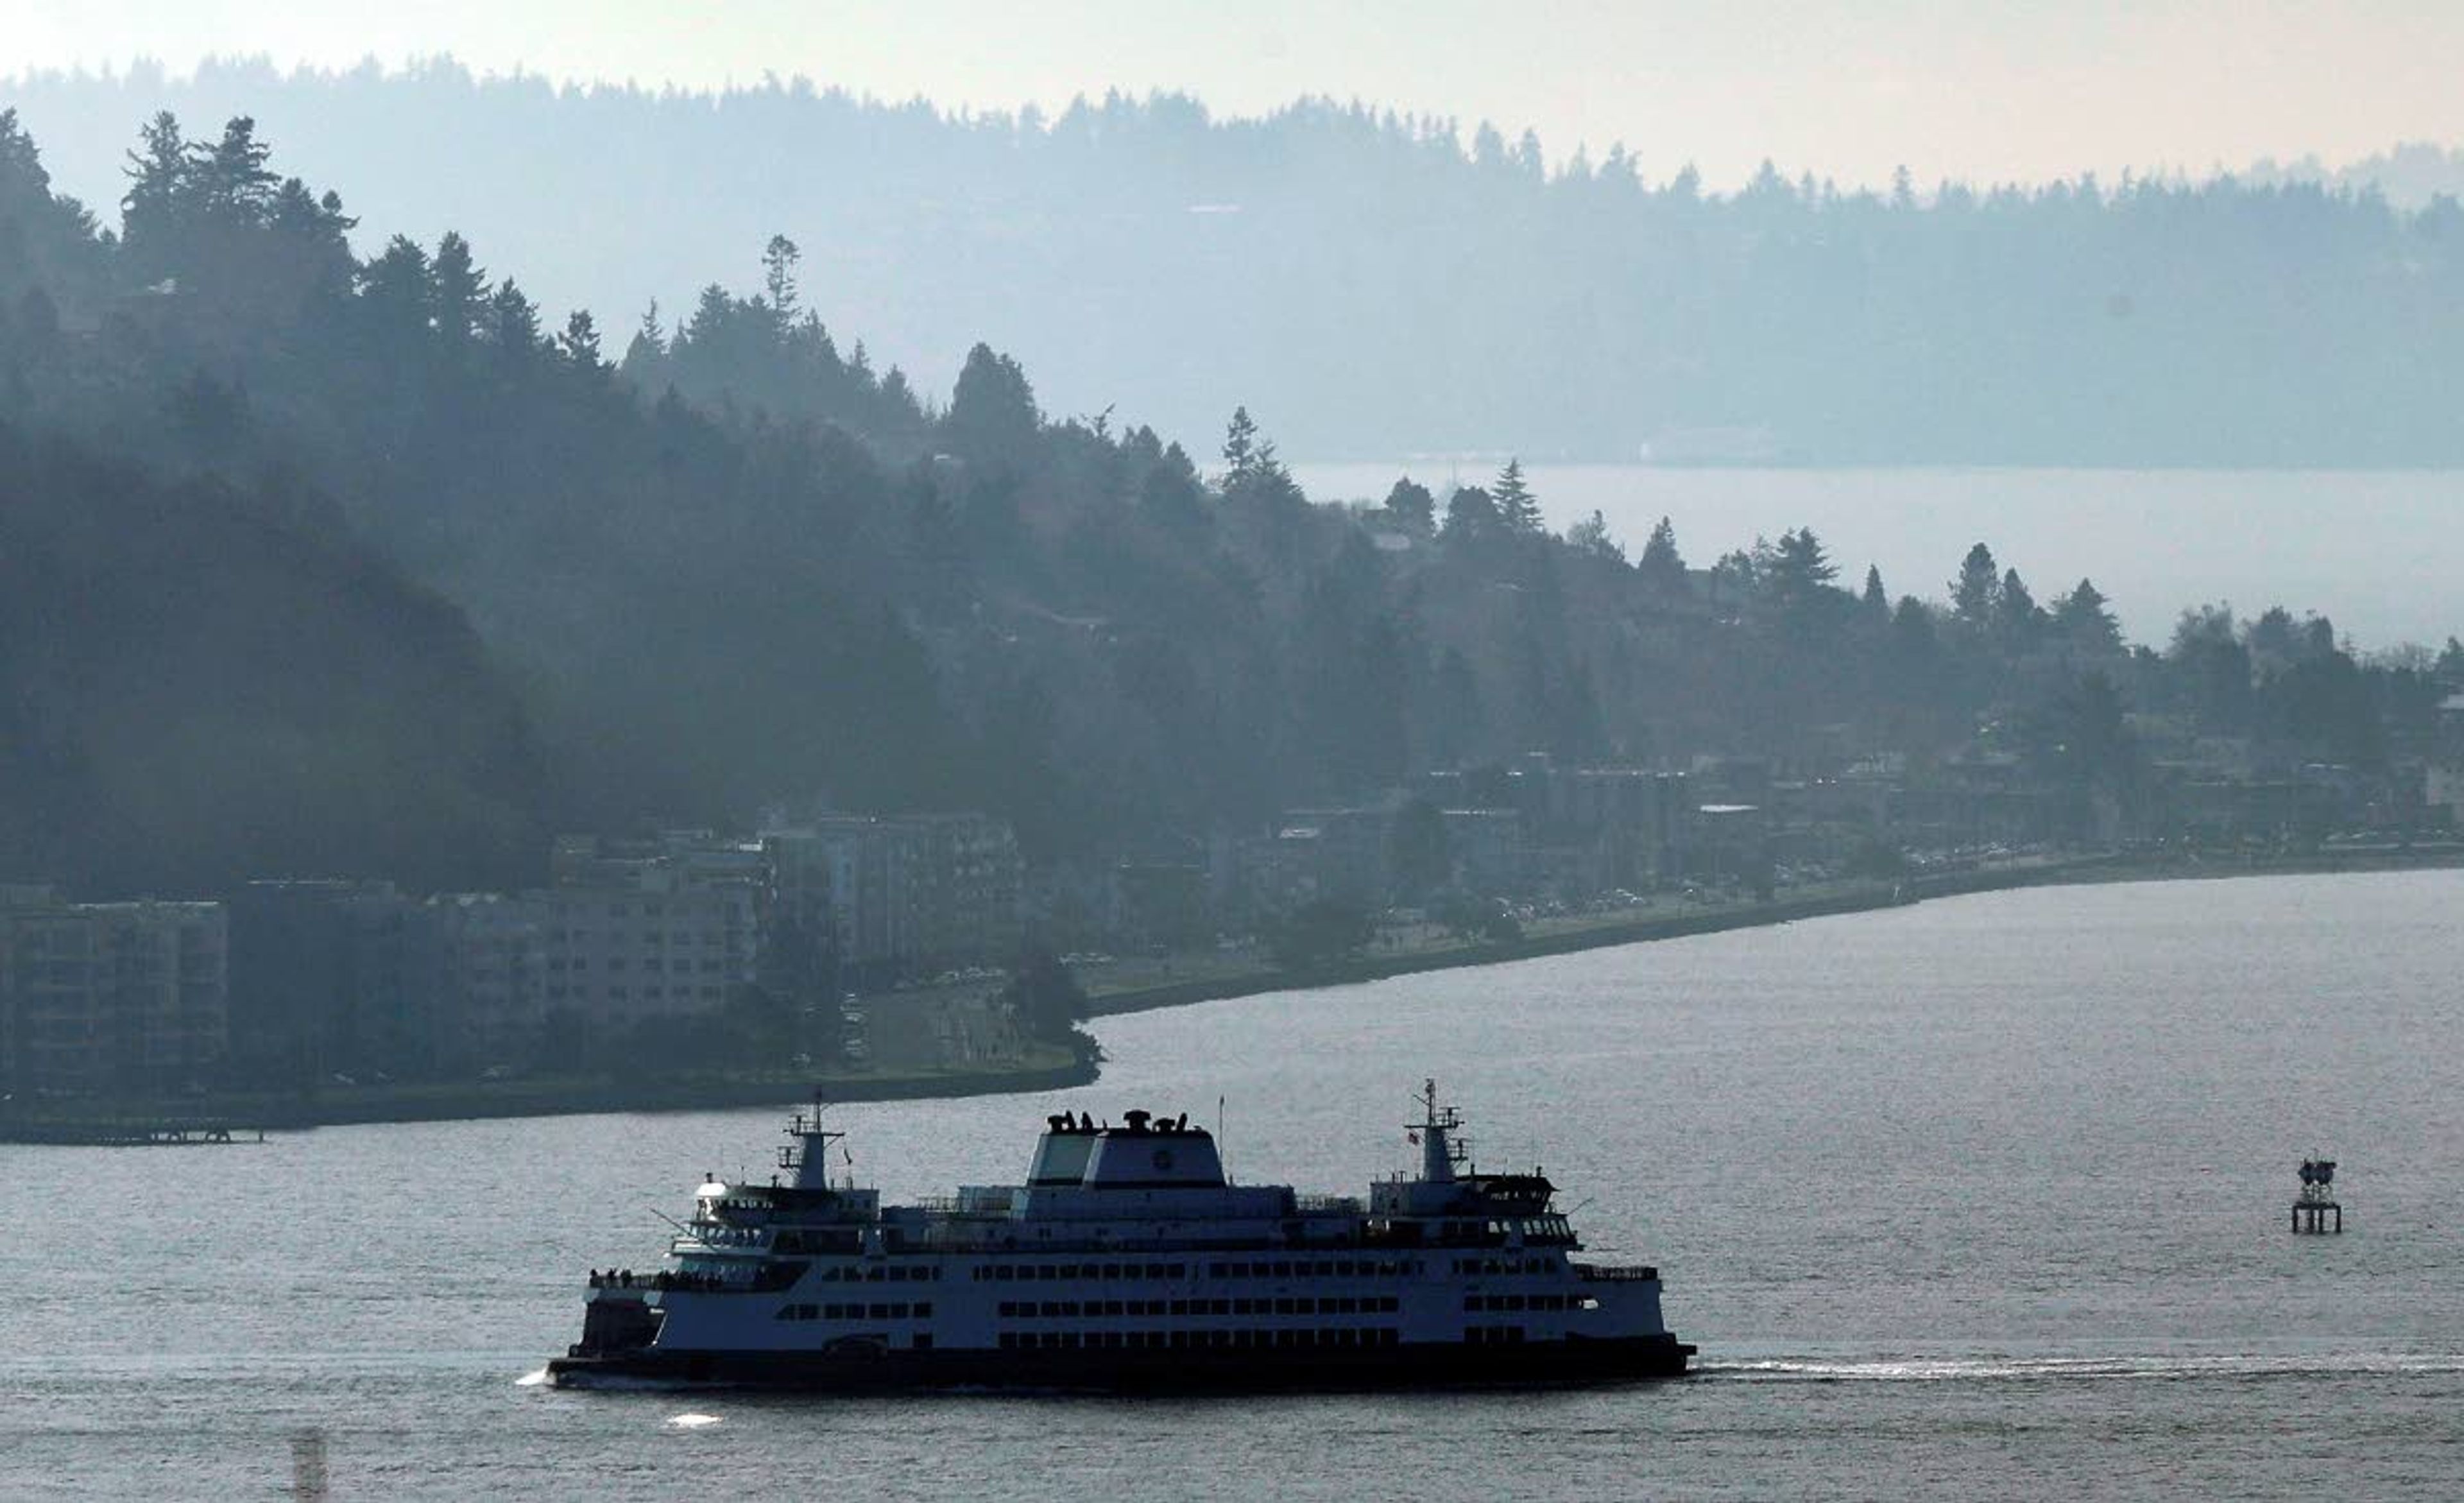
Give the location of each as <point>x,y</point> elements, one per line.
<point>1374,285</point>
<point>387,573</point>
<point>200,683</point>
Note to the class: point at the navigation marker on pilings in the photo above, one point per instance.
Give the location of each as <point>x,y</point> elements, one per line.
<point>2316,1201</point>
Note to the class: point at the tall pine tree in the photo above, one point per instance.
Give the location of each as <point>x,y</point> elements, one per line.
<point>1516,507</point>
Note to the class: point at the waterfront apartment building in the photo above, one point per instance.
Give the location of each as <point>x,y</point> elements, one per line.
<point>481,974</point>
<point>972,890</point>
<point>332,976</point>
<point>1583,829</point>
<point>661,937</point>
<point>869,899</point>
<point>104,998</point>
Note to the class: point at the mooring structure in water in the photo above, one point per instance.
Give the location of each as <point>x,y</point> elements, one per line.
<point>2315,1205</point>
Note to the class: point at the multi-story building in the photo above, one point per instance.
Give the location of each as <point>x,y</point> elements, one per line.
<point>1488,850</point>
<point>101,997</point>
<point>654,941</point>
<point>871,899</point>
<point>1337,853</point>
<point>972,889</point>
<point>822,881</point>
<point>483,980</point>
<point>693,857</point>
<point>1589,828</point>
<point>330,977</point>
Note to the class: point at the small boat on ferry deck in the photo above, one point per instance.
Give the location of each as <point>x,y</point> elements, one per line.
<point>1127,1261</point>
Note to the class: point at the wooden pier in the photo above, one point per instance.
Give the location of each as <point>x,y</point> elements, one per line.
<point>127,1133</point>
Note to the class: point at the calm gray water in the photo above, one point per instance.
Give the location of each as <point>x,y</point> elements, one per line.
<point>1983,1198</point>
<point>2377,552</point>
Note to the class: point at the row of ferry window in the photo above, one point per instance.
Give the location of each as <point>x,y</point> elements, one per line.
<point>1181,1340</point>
<point>1281,1267</point>
<point>1538,1228</point>
<point>1335,1305</point>
<point>880,1272</point>
<point>1507,1265</point>
<point>1528,1302</point>
<point>853,1311</point>
<point>1008,1272</point>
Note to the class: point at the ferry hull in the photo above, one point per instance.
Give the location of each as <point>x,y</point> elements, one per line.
<point>1531,1364</point>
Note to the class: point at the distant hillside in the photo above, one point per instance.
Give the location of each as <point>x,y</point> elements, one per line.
<point>323,562</point>
<point>2410,176</point>
<point>1371,285</point>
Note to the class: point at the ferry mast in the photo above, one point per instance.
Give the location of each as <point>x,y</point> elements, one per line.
<point>1440,1133</point>
<point>808,1157</point>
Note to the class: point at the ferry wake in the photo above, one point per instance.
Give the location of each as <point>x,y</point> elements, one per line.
<point>1126,1262</point>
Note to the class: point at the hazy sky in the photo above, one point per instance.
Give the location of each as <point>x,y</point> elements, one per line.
<point>1975,90</point>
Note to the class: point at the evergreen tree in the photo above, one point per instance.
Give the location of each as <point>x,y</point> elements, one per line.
<point>156,207</point>
<point>2016,620</point>
<point>778,261</point>
<point>2450,667</point>
<point>1260,486</point>
<point>1172,491</point>
<point>1516,507</point>
<point>2273,640</point>
<point>1591,539</point>
<point>579,344</point>
<point>2084,624</point>
<point>2200,627</point>
<point>1409,502</point>
<point>1661,567</point>
<point>1795,573</point>
<point>1914,642</point>
<point>23,178</point>
<point>457,290</point>
<point>993,418</point>
<point>1736,575</point>
<point>1977,589</point>
<point>512,324</point>
<point>314,235</point>
<point>231,179</point>
<point>1471,518</point>
<point>396,294</point>
<point>1240,444</point>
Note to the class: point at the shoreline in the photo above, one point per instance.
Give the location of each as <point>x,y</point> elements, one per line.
<point>1842,898</point>
<point>249,1113</point>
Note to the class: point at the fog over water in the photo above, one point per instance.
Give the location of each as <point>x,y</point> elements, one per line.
<point>2379,552</point>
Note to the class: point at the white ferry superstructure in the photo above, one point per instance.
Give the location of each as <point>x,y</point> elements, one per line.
<point>1127,1261</point>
